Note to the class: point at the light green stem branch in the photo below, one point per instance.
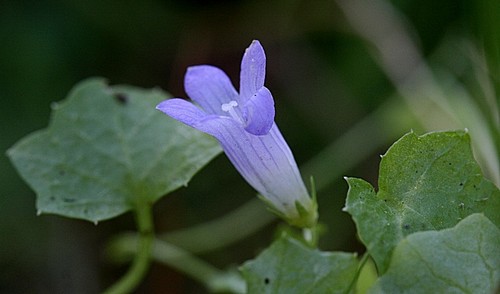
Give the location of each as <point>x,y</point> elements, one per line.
<point>181,260</point>
<point>142,249</point>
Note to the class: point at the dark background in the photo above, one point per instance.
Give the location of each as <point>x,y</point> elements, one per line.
<point>324,76</point>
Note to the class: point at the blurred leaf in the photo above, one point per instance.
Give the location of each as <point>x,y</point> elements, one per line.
<point>290,267</point>
<point>463,259</point>
<point>428,182</point>
<point>106,149</point>
<point>486,12</point>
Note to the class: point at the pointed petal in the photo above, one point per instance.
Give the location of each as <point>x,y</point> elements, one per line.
<point>182,111</point>
<point>210,87</point>
<point>258,112</point>
<point>187,113</point>
<point>253,70</point>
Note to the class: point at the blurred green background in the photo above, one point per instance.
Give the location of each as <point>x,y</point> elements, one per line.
<point>348,77</point>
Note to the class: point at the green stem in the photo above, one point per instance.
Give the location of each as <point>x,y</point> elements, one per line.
<point>199,270</point>
<point>183,261</point>
<point>142,259</point>
<point>362,263</point>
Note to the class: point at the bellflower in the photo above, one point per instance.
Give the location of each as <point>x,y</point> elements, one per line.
<point>244,125</point>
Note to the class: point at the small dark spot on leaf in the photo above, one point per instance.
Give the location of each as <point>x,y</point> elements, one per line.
<point>406,226</point>
<point>69,200</point>
<point>267,281</point>
<point>52,198</point>
<point>121,98</point>
<point>461,184</point>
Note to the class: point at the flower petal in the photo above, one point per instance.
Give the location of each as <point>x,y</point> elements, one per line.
<point>258,112</point>
<point>253,70</point>
<point>182,111</point>
<point>267,164</point>
<point>210,87</point>
<point>187,113</point>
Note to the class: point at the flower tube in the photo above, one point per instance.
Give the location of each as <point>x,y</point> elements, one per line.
<point>244,125</point>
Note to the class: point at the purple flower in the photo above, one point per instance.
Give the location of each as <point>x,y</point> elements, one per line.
<point>244,125</point>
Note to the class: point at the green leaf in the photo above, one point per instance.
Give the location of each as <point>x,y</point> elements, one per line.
<point>463,259</point>
<point>106,149</point>
<point>288,266</point>
<point>428,182</point>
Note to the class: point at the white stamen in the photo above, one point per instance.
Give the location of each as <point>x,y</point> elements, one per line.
<point>226,107</point>
<point>229,108</point>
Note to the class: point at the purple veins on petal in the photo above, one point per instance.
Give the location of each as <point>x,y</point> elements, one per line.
<point>267,164</point>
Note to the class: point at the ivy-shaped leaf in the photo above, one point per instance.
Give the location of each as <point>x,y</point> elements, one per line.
<point>428,182</point>
<point>463,259</point>
<point>288,266</point>
<point>107,148</point>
